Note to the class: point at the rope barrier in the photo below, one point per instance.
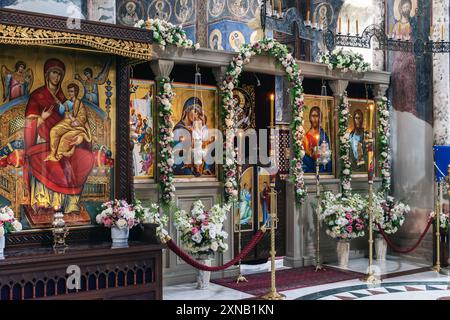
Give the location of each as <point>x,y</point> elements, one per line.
<point>186,258</point>
<point>399,250</point>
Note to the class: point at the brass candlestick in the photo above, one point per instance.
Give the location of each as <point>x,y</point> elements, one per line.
<point>273,294</point>
<point>240,277</point>
<point>370,278</point>
<point>438,209</point>
<point>60,232</point>
<point>318,263</point>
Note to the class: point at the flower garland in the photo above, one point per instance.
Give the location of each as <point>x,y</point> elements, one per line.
<point>165,33</point>
<point>384,132</point>
<point>344,145</point>
<point>165,165</point>
<point>231,80</point>
<point>344,60</point>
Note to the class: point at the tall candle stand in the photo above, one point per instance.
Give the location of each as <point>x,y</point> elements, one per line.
<point>60,231</point>
<point>438,210</point>
<point>323,157</point>
<point>273,294</point>
<point>240,277</point>
<point>370,278</point>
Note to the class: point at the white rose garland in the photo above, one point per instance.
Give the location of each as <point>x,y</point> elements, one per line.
<point>344,145</point>
<point>344,60</point>
<point>281,53</point>
<point>165,33</point>
<point>384,132</point>
<point>165,165</point>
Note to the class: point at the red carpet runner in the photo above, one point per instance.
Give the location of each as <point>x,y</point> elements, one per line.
<point>288,279</point>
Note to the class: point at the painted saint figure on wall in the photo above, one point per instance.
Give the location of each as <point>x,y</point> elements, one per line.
<point>52,183</point>
<point>16,83</point>
<point>312,141</point>
<point>404,63</point>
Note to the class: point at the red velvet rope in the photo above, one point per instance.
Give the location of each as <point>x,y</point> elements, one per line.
<point>399,250</point>
<point>183,255</point>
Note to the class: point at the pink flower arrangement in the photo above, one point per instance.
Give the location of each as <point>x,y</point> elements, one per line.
<point>117,213</point>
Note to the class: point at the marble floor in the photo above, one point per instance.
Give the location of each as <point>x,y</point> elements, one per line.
<point>400,280</point>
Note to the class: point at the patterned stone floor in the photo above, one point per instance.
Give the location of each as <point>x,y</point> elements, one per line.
<point>414,284</point>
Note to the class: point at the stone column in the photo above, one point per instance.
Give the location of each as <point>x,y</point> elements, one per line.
<point>441,82</point>
<point>441,77</point>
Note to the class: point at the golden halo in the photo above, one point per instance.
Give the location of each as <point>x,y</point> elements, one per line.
<point>397,12</point>
<point>65,83</point>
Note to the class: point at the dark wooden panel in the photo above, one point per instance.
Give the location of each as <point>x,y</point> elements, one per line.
<point>57,23</point>
<point>105,273</point>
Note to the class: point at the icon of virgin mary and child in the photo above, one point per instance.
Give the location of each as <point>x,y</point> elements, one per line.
<point>191,135</point>
<point>57,143</point>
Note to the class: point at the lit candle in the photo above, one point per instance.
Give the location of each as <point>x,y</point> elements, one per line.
<point>370,117</point>
<point>348,26</point>
<point>442,32</point>
<point>273,7</point>
<point>314,19</point>
<point>340,24</point>
<point>279,8</point>
<point>357,26</point>
<point>272,109</point>
<point>308,14</point>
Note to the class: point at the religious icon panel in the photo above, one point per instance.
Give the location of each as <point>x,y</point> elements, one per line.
<point>358,126</point>
<point>244,214</point>
<point>56,141</point>
<point>318,139</point>
<point>142,94</point>
<point>194,116</point>
<point>264,197</point>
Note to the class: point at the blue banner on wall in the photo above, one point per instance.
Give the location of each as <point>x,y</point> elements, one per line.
<point>442,160</point>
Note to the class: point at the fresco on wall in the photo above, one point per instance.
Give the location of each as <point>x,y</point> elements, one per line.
<point>65,8</point>
<point>102,10</point>
<point>57,138</point>
<point>410,81</point>
<point>174,11</point>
